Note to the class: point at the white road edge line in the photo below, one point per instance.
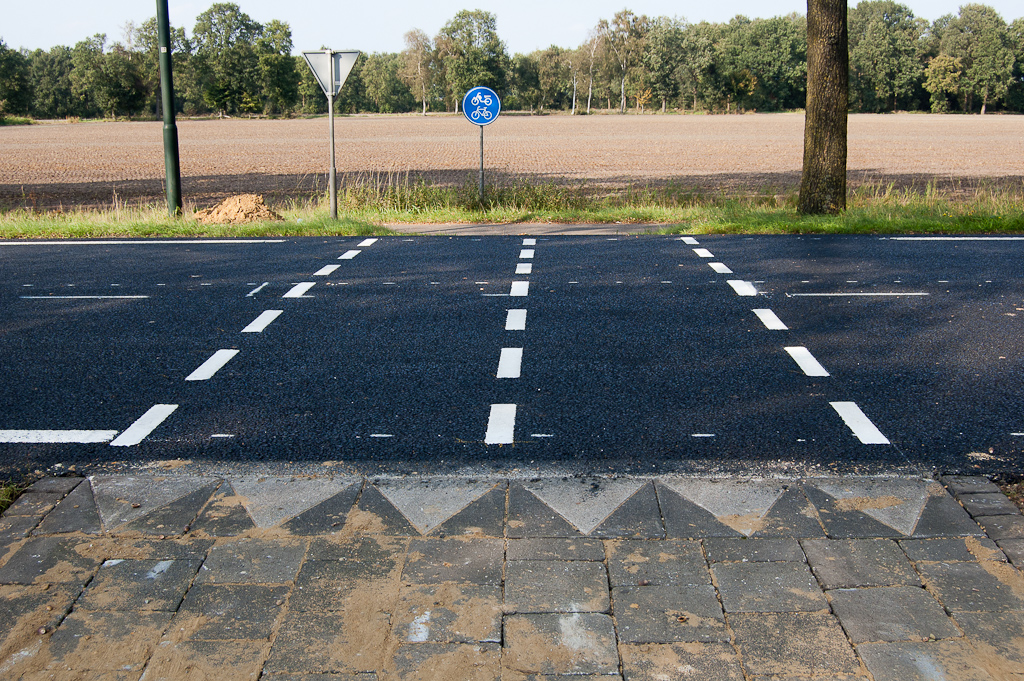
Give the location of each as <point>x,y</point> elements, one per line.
<point>326,270</point>
<point>849,295</point>
<point>348,255</point>
<point>720,268</point>
<point>367,242</point>
<point>265,319</point>
<point>147,423</point>
<point>524,268</point>
<point>520,289</point>
<point>703,252</point>
<point>56,436</point>
<point>862,428</point>
<point>300,290</point>
<point>516,320</point>
<point>742,288</point>
<point>501,425</point>
<point>211,366</point>
<point>511,363</point>
<point>83,297</point>
<point>806,361</point>
<point>770,320</point>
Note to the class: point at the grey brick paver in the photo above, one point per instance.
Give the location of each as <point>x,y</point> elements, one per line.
<point>848,563</point>
<point>768,587</point>
<point>901,613</point>
<point>556,586</point>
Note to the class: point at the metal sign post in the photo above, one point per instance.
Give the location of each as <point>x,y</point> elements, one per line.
<point>331,70</point>
<point>481,107</point>
<point>172,161</point>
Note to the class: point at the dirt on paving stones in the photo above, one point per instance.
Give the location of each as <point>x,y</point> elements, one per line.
<point>64,165</point>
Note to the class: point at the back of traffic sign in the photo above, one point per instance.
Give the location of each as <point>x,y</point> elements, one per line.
<point>320,64</point>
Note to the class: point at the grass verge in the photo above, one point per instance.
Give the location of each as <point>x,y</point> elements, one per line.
<point>369,205</point>
<point>9,493</point>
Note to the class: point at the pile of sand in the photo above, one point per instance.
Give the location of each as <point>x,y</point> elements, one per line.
<point>238,210</point>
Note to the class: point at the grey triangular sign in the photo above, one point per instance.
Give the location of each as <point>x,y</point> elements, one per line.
<point>320,64</point>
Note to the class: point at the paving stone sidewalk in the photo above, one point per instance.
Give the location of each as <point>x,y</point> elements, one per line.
<point>287,579</point>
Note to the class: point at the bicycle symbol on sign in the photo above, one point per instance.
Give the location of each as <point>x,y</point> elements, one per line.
<point>481,98</point>
<point>481,112</point>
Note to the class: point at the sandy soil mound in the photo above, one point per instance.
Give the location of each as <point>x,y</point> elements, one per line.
<point>238,210</point>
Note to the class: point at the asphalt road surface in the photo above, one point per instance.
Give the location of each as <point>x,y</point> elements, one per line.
<point>764,355</point>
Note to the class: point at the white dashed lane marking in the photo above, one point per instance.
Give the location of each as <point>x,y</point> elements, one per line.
<point>511,362</point>
<point>524,268</point>
<point>367,242</point>
<point>260,324</point>
<point>211,366</point>
<point>861,425</point>
<point>689,240</point>
<point>770,320</point>
<point>300,290</point>
<point>720,268</point>
<point>256,290</point>
<point>324,271</point>
<point>147,423</point>
<point>520,289</point>
<point>349,255</point>
<point>703,252</point>
<point>529,242</point>
<point>743,288</point>
<point>516,320</point>
<point>526,253</point>
<point>501,425</point>
<point>806,361</point>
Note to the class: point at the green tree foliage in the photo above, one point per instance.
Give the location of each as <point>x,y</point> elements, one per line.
<point>15,82</point>
<point>1015,93</point>
<point>942,81</point>
<point>523,91</point>
<point>470,54</point>
<point>417,69</point>
<point>624,39</point>
<point>764,62</point>
<point>383,86</point>
<point>663,58</point>
<point>885,47</point>
<point>978,37</point>
<point>226,59</point>
<point>51,78</point>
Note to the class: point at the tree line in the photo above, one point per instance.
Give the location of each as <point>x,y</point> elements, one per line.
<point>230,64</point>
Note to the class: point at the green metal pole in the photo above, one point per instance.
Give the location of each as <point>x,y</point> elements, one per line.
<point>172,163</point>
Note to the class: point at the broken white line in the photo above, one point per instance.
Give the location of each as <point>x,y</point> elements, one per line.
<point>720,268</point>
<point>349,255</point>
<point>520,289</point>
<point>526,253</point>
<point>256,290</point>
<point>689,240</point>
<point>147,423</point>
<point>703,252</point>
<point>300,290</point>
<point>367,242</point>
<point>259,324</point>
<point>743,288</point>
<point>324,271</point>
<point>501,425</point>
<point>770,320</point>
<point>529,242</point>
<point>806,361</point>
<point>524,268</point>
<point>862,428</point>
<point>516,320</point>
<point>211,366</point>
<point>511,362</point>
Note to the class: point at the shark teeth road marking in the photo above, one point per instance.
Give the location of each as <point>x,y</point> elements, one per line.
<point>427,504</point>
<point>580,502</point>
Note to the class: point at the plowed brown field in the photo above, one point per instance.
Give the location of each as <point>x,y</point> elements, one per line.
<point>89,164</point>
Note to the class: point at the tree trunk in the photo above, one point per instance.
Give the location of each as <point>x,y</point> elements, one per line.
<point>823,188</point>
<point>984,100</point>
<point>622,93</point>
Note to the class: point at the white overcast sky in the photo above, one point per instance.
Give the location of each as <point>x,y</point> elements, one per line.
<point>378,25</point>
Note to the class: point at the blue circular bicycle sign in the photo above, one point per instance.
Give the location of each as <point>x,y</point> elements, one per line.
<point>481,106</point>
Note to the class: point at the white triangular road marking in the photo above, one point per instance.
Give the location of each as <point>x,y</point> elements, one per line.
<point>738,504</point>
<point>121,499</point>
<point>429,502</point>
<point>580,502</point>
<point>272,500</point>
<point>896,503</point>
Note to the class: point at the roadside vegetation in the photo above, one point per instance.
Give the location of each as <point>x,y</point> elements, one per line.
<point>370,206</point>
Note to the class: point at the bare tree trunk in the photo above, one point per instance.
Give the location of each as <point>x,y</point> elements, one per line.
<point>622,91</point>
<point>574,83</point>
<point>823,188</point>
<point>590,93</point>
